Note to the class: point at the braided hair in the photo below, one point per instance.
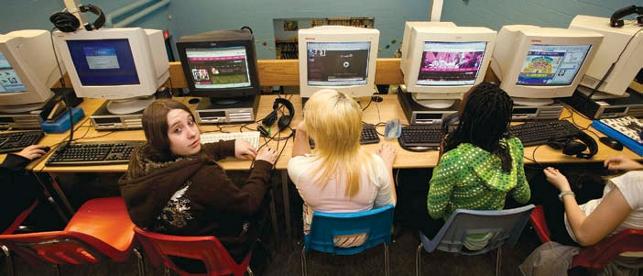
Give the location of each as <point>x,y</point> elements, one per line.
<point>484,117</point>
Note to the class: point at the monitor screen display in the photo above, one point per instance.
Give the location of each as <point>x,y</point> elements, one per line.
<point>9,80</point>
<point>552,65</point>
<point>338,63</point>
<point>103,62</point>
<point>450,63</point>
<point>219,68</point>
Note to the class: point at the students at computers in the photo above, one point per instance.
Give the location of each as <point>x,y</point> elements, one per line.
<point>174,185</point>
<point>620,207</point>
<point>480,165</point>
<point>338,175</point>
<point>20,187</point>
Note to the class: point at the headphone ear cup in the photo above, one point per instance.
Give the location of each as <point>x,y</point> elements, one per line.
<point>284,122</point>
<point>65,22</point>
<point>270,119</point>
<point>574,147</point>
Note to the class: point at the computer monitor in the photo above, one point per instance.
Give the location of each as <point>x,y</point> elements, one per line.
<point>621,47</point>
<point>337,57</point>
<point>536,64</point>
<point>27,70</point>
<point>221,65</point>
<point>441,61</point>
<point>123,65</point>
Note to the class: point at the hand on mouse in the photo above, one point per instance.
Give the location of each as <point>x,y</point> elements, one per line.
<point>388,153</point>
<point>32,152</point>
<point>621,163</point>
<point>243,150</point>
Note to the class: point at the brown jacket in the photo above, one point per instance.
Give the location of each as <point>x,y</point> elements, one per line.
<point>211,203</point>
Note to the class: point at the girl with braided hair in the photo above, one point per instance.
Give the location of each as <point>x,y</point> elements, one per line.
<point>481,164</point>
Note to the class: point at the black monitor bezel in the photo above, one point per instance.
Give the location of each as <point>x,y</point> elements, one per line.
<point>224,93</point>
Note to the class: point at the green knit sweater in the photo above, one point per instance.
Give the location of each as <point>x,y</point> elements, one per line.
<point>469,177</point>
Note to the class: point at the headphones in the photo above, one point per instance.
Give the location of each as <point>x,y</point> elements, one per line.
<point>67,22</point>
<point>577,145</point>
<point>284,120</point>
<point>616,21</point>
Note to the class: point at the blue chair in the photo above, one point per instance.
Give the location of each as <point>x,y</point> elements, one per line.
<point>504,227</point>
<point>376,224</point>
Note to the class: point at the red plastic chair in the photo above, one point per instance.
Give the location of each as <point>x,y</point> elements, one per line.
<point>207,249</point>
<point>599,255</point>
<point>100,229</point>
<point>20,218</point>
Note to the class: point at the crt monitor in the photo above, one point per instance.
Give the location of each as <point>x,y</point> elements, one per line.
<point>536,64</point>
<point>621,48</point>
<point>337,57</point>
<point>221,65</point>
<point>123,65</point>
<point>27,70</point>
<point>441,62</point>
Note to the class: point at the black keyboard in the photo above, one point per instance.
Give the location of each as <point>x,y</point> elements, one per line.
<point>421,137</point>
<point>540,132</point>
<point>16,141</point>
<point>94,153</point>
<point>369,136</point>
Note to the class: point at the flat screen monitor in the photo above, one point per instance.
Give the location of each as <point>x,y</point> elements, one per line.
<point>441,61</point>
<point>620,50</point>
<point>338,57</point>
<point>536,64</point>
<point>27,70</point>
<point>123,65</point>
<point>221,65</point>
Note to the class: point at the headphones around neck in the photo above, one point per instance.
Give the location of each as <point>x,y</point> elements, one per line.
<point>285,119</point>
<point>67,22</point>
<point>616,21</point>
<point>577,145</point>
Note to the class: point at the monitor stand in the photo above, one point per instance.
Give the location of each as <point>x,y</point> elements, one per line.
<point>434,103</point>
<point>129,106</point>
<point>417,113</point>
<point>218,111</point>
<point>531,101</point>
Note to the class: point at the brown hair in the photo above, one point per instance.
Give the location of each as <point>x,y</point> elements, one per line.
<point>155,126</point>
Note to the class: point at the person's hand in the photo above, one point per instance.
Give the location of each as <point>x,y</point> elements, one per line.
<point>557,179</point>
<point>32,152</point>
<point>388,153</point>
<point>622,164</point>
<point>267,154</point>
<point>243,150</point>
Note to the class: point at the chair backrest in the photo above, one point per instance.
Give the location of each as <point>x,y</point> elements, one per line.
<point>499,226</point>
<point>207,249</point>
<point>55,247</point>
<point>602,253</point>
<point>376,224</point>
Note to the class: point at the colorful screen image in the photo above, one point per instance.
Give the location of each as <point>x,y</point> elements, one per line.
<point>552,65</point>
<point>219,68</point>
<point>450,63</point>
<point>9,80</point>
<point>338,63</point>
<point>105,62</point>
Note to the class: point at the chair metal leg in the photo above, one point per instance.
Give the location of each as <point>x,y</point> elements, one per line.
<point>498,261</point>
<point>250,273</point>
<point>418,260</point>
<point>58,270</point>
<point>140,263</point>
<point>387,261</point>
<point>166,271</point>
<point>7,255</point>
<point>304,271</point>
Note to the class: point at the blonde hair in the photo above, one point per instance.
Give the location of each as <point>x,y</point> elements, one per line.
<point>334,121</point>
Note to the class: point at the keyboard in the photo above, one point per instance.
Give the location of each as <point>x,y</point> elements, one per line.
<point>93,153</point>
<point>421,137</point>
<point>540,132</point>
<point>18,140</point>
<point>251,137</point>
<point>368,136</point>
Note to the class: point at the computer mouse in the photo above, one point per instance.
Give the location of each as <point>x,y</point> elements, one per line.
<point>611,142</point>
<point>393,129</point>
<point>46,148</point>
<point>194,101</point>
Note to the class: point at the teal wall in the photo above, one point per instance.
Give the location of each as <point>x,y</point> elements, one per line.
<point>549,13</point>
<point>194,16</point>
